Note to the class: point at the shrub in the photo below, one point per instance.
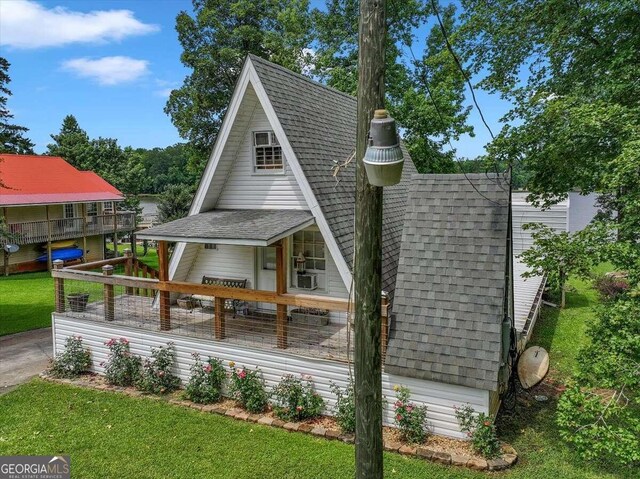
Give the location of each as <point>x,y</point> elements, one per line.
<point>72,361</point>
<point>610,286</point>
<point>122,368</point>
<point>410,419</point>
<point>205,383</point>
<point>295,399</point>
<point>345,409</point>
<point>247,388</point>
<point>156,376</point>
<point>600,427</point>
<point>480,429</point>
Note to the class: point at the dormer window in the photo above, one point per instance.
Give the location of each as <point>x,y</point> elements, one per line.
<point>267,153</point>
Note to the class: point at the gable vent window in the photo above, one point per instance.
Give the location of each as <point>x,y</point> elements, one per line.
<point>267,153</point>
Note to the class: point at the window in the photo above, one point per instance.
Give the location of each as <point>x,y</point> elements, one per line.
<point>311,245</point>
<point>267,153</point>
<point>107,207</point>
<point>69,211</point>
<point>269,258</point>
<point>210,246</point>
<point>92,209</point>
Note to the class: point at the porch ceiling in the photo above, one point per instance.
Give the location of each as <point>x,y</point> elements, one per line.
<point>240,227</point>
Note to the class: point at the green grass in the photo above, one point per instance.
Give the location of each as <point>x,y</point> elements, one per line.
<point>112,435</point>
<point>109,435</point>
<point>27,301</point>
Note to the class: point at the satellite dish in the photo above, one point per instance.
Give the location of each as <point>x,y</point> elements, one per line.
<point>11,248</point>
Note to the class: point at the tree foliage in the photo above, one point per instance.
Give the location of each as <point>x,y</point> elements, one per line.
<point>215,39</point>
<point>174,203</point>
<point>412,83</point>
<point>12,139</point>
<point>571,70</point>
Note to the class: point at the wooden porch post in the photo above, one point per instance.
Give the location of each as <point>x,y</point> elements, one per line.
<point>115,231</point>
<point>5,254</point>
<point>165,298</point>
<point>219,325</point>
<point>84,232</point>
<point>49,263</point>
<point>128,269</point>
<point>59,287</point>
<point>281,288</point>
<point>109,300</point>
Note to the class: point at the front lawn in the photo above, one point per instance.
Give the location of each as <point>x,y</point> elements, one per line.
<point>27,301</point>
<point>111,435</point>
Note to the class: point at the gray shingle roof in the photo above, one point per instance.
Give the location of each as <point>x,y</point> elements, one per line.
<point>450,282</point>
<point>251,227</point>
<point>320,124</point>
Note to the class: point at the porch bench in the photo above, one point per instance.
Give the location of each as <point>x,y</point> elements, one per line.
<point>207,301</point>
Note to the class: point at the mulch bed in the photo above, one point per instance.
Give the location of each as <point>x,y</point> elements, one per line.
<point>438,449</point>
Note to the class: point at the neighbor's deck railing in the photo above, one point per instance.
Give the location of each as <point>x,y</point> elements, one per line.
<point>28,232</point>
<point>125,291</point>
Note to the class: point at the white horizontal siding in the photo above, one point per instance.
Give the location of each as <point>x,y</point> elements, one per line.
<point>189,255</point>
<point>522,212</point>
<point>226,261</point>
<point>439,397</point>
<point>524,294</point>
<point>241,187</point>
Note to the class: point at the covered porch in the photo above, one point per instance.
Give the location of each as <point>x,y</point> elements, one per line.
<point>118,292</point>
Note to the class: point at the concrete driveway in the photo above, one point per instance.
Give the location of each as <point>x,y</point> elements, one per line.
<point>22,356</point>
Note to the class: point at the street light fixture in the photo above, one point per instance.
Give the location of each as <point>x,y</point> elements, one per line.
<point>383,159</point>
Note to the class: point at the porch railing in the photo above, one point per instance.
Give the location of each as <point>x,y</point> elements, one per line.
<point>28,232</point>
<point>123,291</point>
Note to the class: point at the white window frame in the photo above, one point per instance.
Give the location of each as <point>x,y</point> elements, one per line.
<point>318,272</point>
<point>65,211</point>
<point>273,143</point>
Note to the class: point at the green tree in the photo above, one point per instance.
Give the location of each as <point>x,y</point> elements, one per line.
<point>558,255</point>
<point>215,42</point>
<point>174,203</point>
<point>570,69</point>
<point>412,84</point>
<point>71,143</point>
<point>12,139</point>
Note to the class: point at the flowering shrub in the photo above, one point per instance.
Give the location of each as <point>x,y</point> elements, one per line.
<point>205,383</point>
<point>247,387</point>
<point>345,409</point>
<point>73,361</point>
<point>295,399</point>
<point>122,368</point>
<point>480,429</point>
<point>156,373</point>
<point>410,419</point>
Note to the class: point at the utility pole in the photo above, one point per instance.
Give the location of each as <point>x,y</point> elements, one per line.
<point>368,249</point>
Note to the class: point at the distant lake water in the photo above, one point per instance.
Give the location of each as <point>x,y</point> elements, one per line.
<point>149,204</point>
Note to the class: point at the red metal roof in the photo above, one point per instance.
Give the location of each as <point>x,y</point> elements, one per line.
<point>39,180</point>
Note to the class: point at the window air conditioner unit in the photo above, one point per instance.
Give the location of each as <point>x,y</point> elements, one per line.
<point>307,281</point>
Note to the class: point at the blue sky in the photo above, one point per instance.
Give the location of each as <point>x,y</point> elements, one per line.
<point>111,64</point>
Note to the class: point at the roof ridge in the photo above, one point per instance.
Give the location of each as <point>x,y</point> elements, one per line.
<point>300,76</point>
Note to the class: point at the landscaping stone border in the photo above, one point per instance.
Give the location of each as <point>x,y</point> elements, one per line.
<point>508,459</point>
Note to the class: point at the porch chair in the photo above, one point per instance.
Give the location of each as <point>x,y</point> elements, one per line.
<point>235,304</point>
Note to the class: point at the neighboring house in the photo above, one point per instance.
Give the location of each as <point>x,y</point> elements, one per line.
<point>49,206</point>
<point>270,204</point>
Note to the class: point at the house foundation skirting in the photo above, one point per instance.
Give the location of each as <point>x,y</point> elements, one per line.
<point>440,398</point>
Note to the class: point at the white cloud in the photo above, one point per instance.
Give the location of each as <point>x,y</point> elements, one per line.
<point>108,70</point>
<point>27,24</point>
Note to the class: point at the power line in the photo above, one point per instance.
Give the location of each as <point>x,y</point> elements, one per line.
<point>459,64</point>
<point>422,76</point>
